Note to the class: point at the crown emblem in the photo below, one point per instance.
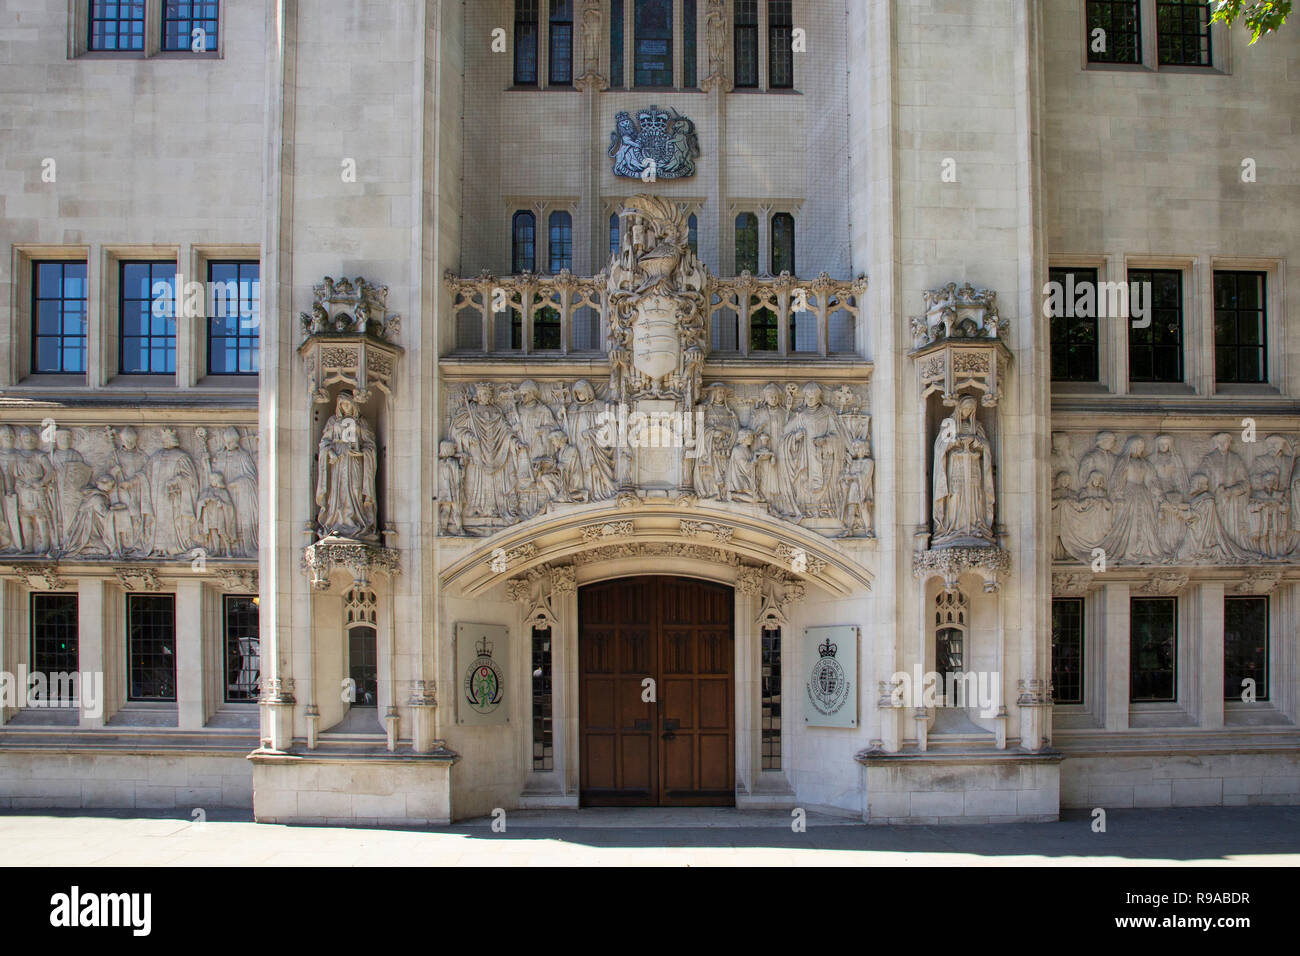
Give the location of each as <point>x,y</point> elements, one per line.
<point>483,647</point>
<point>828,649</point>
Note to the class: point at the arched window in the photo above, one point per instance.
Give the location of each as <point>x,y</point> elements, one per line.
<point>747,243</point>
<point>689,80</point>
<point>616,44</point>
<point>780,50</point>
<point>653,42</point>
<point>561,71</point>
<point>783,243</point>
<point>693,234</point>
<point>561,226</point>
<point>523,256</point>
<point>363,666</point>
<point>526,42</point>
<point>746,39</point>
<point>613,234</point>
<point>950,610</point>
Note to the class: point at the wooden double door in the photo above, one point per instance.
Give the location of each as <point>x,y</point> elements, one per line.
<point>670,742</point>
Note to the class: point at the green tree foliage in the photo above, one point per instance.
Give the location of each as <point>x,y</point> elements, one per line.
<point>1261,16</point>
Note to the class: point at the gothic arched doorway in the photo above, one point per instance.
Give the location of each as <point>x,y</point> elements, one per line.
<point>656,689</point>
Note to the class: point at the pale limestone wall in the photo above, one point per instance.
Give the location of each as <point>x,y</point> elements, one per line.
<point>153,781</point>
<point>336,792</point>
<point>952,791</point>
<point>755,146</point>
<point>1215,779</point>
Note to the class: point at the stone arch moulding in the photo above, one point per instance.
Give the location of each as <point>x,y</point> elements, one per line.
<point>656,533</point>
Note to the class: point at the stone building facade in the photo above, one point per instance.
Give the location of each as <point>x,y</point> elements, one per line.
<point>885,407</point>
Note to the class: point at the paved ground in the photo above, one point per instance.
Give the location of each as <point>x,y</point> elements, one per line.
<point>1211,836</point>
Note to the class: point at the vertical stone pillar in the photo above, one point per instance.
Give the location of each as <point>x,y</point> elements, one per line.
<point>1115,654</point>
<point>1209,652</point>
<point>8,637</point>
<point>191,706</point>
<point>92,649</point>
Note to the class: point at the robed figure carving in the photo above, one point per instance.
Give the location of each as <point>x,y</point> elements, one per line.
<point>963,479</point>
<point>345,475</point>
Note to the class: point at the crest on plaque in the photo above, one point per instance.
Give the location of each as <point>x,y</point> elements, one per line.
<point>484,682</point>
<point>658,144</point>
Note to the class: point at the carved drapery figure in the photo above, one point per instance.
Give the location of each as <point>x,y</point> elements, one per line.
<point>1230,483</point>
<point>591,36</point>
<point>1209,542</point>
<point>10,535</point>
<point>533,422</point>
<point>480,429</point>
<point>72,476</point>
<point>813,456</point>
<point>128,468</point>
<point>1171,475</point>
<point>238,469</point>
<point>35,484</point>
<point>741,484</point>
<point>1270,499</point>
<point>174,482</point>
<point>713,445</point>
<point>214,524</point>
<point>100,527</point>
<point>717,38</point>
<point>1135,495</point>
<point>1100,458</point>
<point>859,490</point>
<point>451,489</point>
<point>345,475</point>
<point>595,457</point>
<point>963,478</point>
<point>1063,460</point>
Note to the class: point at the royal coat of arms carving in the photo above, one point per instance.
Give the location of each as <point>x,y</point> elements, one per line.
<point>658,144</point>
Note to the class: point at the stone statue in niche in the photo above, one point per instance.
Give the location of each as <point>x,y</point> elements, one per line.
<point>716,20</point>
<point>963,479</point>
<point>346,462</point>
<point>591,36</point>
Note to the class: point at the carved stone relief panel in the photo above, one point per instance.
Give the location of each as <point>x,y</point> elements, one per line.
<point>1186,499</point>
<point>147,492</point>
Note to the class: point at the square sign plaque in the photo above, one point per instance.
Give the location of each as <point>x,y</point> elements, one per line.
<point>830,697</point>
<point>480,651</point>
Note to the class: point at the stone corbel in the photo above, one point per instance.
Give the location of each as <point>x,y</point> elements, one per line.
<point>238,579</point>
<point>1258,582</point>
<point>1164,583</point>
<point>319,560</point>
<point>37,576</point>
<point>706,529</point>
<point>148,578</point>
<point>1072,584</point>
<point>990,563</point>
<point>607,530</point>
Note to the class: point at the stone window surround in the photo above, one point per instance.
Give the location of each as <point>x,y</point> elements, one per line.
<point>1198,327</point>
<point>102,647</point>
<point>103,319</point>
<point>1199,681</point>
<point>679,45</point>
<point>79,36</point>
<point>541,208</point>
<point>1220,47</point>
<point>764,209</point>
<point>764,49</point>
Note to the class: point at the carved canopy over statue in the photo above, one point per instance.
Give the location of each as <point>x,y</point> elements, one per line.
<point>345,475</point>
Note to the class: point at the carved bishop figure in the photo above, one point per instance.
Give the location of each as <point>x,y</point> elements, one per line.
<point>963,478</point>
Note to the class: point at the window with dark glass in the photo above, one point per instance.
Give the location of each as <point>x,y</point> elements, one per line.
<point>151,646</point>
<point>234,317</point>
<point>1121,38</point>
<point>1240,328</point>
<point>1075,338</point>
<point>543,730</point>
<point>771,699</point>
<point>363,666</point>
<point>1183,32</point>
<point>523,242</point>
<point>561,226</point>
<point>59,317</point>
<point>616,44</point>
<point>117,24</point>
<point>780,44</point>
<point>1245,647</point>
<point>147,308</point>
<point>653,42</point>
<point>181,20</point>
<point>1153,649</point>
<point>526,31</point>
<point>613,234</point>
<point>54,643</point>
<point>693,234</point>
<point>689,65</point>
<point>747,243</point>
<point>948,657</point>
<point>783,243</point>
<point>1067,650</point>
<point>561,58</point>
<point>243,654</point>
<point>1155,353</point>
<point>746,41</point>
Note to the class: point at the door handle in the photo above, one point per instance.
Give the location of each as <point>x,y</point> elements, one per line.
<point>668,735</point>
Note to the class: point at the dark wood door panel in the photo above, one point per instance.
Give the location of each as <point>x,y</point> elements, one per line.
<point>678,748</point>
